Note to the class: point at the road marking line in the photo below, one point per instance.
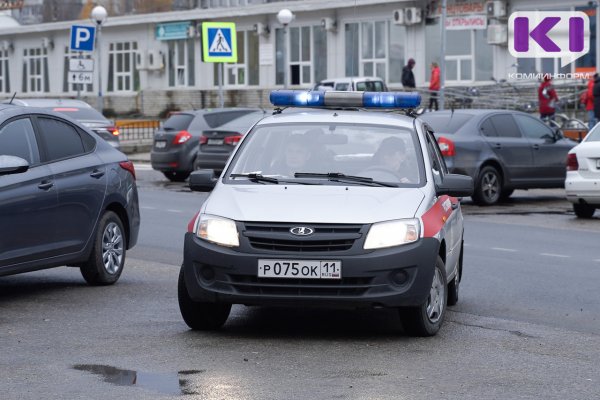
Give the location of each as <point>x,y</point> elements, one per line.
<point>148,208</point>
<point>554,255</point>
<point>175,211</point>
<point>598,260</point>
<point>503,249</point>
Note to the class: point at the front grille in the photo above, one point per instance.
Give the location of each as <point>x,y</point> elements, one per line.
<point>245,284</point>
<point>326,237</point>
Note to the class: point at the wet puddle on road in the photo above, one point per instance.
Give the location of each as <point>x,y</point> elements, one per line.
<point>165,383</point>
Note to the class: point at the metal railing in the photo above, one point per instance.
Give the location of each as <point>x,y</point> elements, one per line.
<point>139,130</point>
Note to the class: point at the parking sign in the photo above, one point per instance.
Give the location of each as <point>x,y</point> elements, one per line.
<point>82,37</point>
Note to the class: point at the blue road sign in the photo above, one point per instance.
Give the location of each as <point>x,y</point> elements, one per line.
<point>219,42</point>
<point>82,37</point>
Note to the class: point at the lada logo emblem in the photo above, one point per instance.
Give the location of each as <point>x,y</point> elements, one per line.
<point>302,231</point>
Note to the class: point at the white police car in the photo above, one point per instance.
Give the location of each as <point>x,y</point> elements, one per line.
<point>329,206</point>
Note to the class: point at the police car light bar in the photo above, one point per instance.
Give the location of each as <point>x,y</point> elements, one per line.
<point>317,98</point>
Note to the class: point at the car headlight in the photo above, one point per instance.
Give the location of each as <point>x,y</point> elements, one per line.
<point>392,233</point>
<point>218,230</point>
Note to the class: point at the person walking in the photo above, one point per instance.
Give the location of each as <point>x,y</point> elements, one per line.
<point>434,86</point>
<point>588,101</point>
<point>408,78</point>
<point>596,95</point>
<point>547,98</point>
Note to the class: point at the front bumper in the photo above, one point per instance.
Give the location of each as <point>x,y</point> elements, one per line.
<point>367,279</point>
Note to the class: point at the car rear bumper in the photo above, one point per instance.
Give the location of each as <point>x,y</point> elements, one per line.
<point>579,189</point>
<point>222,275</point>
<point>214,161</point>
<point>171,160</point>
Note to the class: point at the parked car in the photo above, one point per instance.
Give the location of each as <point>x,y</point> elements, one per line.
<point>175,146</point>
<point>315,210</point>
<point>79,111</point>
<point>216,145</point>
<point>583,175</point>
<point>361,84</point>
<point>66,197</point>
<point>501,150</point>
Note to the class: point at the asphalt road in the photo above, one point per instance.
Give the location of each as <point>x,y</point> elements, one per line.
<point>527,324</point>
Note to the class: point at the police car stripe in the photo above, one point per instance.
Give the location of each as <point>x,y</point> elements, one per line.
<point>435,218</point>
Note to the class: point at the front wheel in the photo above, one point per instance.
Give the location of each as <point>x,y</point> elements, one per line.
<point>197,315</point>
<point>488,187</point>
<point>427,319</point>
<point>584,210</point>
<point>105,264</point>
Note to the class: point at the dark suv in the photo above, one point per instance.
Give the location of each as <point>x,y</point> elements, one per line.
<point>176,143</point>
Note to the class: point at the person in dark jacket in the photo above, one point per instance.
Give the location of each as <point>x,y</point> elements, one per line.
<point>596,93</point>
<point>408,78</point>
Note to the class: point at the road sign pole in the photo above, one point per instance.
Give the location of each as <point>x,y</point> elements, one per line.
<point>221,101</point>
<point>79,85</point>
<point>442,97</point>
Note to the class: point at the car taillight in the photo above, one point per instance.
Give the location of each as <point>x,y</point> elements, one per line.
<point>113,130</point>
<point>203,139</point>
<point>446,146</point>
<point>232,140</point>
<point>182,137</point>
<point>128,166</point>
<point>572,164</point>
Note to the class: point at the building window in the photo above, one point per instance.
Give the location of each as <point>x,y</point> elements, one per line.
<point>462,48</point>
<point>246,71</point>
<point>35,71</point>
<point>122,74</point>
<point>181,63</point>
<point>4,72</point>
<point>72,87</point>
<point>306,55</point>
<point>370,48</point>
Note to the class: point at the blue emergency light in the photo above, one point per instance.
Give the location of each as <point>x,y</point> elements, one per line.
<point>330,98</point>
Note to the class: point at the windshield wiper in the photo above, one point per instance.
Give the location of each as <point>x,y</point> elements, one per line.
<point>255,177</point>
<point>340,177</point>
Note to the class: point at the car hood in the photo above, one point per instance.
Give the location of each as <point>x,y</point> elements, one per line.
<point>313,204</point>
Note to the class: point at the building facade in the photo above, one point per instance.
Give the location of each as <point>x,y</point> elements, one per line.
<point>151,63</point>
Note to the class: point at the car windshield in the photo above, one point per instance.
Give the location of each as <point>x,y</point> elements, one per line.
<point>80,114</point>
<point>446,122</point>
<point>358,154</point>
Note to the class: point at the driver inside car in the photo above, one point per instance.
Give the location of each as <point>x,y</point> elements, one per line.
<point>392,157</point>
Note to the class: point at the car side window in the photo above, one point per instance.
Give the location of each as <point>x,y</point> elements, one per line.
<point>533,128</point>
<point>62,140</point>
<point>505,126</point>
<point>341,86</point>
<point>487,128</point>
<point>17,138</point>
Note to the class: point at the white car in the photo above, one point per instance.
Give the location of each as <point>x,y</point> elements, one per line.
<point>359,84</point>
<point>330,206</point>
<point>583,175</point>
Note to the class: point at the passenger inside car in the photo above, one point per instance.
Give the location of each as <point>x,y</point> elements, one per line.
<point>392,156</point>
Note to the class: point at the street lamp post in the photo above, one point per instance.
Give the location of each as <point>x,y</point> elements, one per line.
<point>284,17</point>
<point>98,16</point>
<point>443,56</point>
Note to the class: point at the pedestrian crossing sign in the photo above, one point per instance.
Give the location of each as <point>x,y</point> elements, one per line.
<point>219,42</point>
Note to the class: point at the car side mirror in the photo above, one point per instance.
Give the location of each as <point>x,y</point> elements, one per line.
<point>203,180</point>
<point>12,165</point>
<point>455,185</point>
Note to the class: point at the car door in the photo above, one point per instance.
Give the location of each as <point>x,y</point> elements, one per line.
<point>549,154</point>
<point>504,137</point>
<point>80,178</point>
<point>28,200</point>
<point>454,224</point>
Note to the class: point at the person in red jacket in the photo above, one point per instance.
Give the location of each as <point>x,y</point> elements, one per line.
<point>587,99</point>
<point>434,86</point>
<point>547,98</point>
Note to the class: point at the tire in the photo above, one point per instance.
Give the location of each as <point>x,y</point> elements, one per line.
<point>197,315</point>
<point>488,187</point>
<point>105,264</point>
<point>584,210</point>
<point>426,319</point>
<point>176,176</point>
<point>454,285</point>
